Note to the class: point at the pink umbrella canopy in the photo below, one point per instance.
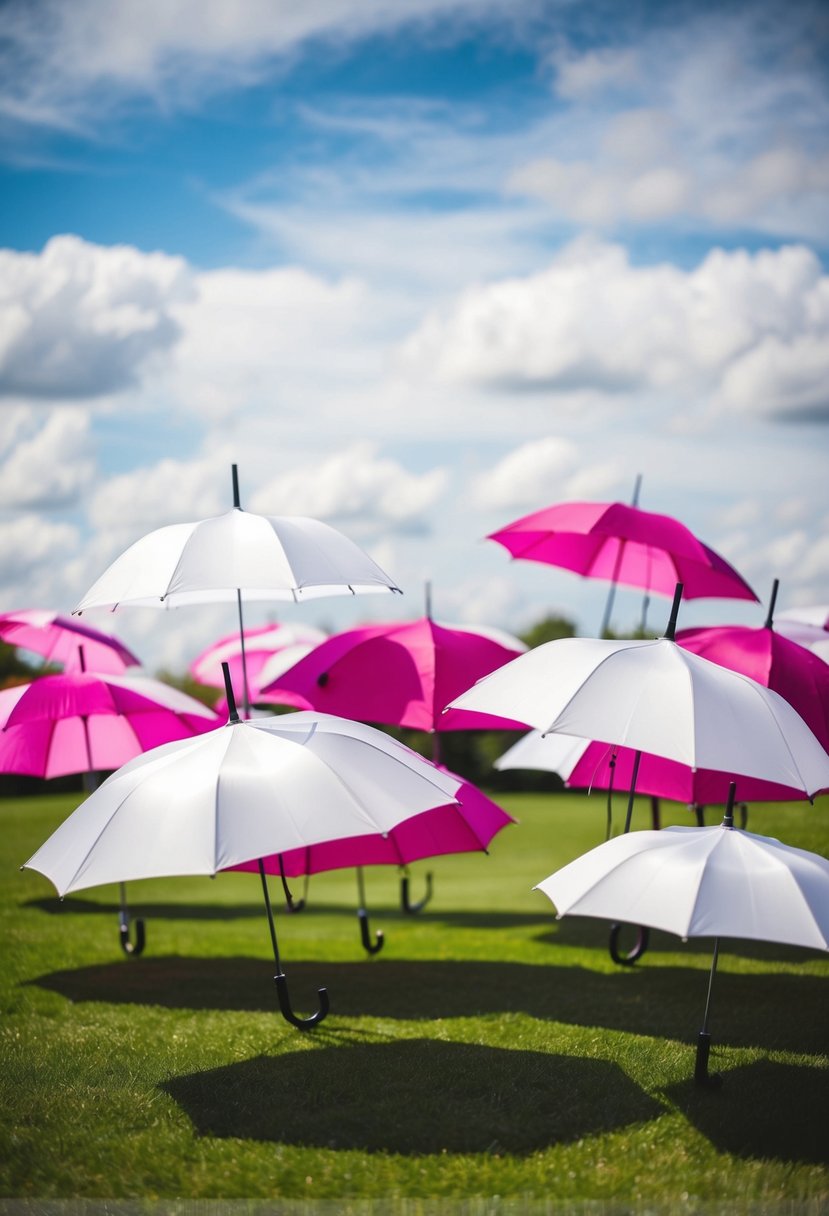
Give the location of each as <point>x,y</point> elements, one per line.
<point>260,645</point>
<point>466,828</point>
<point>65,640</point>
<point>400,674</point>
<point>623,544</point>
<point>79,722</point>
<point>585,764</point>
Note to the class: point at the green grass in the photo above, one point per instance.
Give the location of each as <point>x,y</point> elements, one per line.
<point>488,1050</point>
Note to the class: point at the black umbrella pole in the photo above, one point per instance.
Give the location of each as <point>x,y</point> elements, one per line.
<point>269,911</point>
<point>701,1073</point>
<point>632,793</point>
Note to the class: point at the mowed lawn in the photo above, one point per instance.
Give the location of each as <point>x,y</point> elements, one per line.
<point>487,1050</point>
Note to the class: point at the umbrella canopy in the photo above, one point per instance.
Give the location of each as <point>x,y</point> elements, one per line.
<point>623,544</point>
<point>78,722</point>
<point>584,764</point>
<point>817,615</point>
<point>210,560</point>
<point>60,639</point>
<point>242,792</point>
<point>700,882</point>
<point>465,826</point>
<point>400,674</point>
<point>260,645</point>
<point>655,696</point>
<point>813,637</point>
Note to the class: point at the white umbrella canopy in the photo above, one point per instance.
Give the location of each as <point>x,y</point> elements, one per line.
<point>245,791</point>
<point>701,882</point>
<point>268,557</point>
<point>654,696</point>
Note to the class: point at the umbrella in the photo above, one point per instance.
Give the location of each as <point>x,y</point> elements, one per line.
<point>214,560</point>
<point>463,827</point>
<point>242,792</point>
<point>85,722</point>
<point>656,696</point>
<point>808,627</point>
<point>701,882</point>
<point>623,544</point>
<point>260,645</point>
<point>57,638</point>
<point>399,674</point>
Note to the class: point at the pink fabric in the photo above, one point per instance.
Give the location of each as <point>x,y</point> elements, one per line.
<point>58,639</point>
<point>261,643</point>
<point>80,722</point>
<point>447,829</point>
<point>623,544</point>
<point>400,674</point>
<point>670,779</point>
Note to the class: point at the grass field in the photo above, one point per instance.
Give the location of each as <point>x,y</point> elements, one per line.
<point>488,1051</point>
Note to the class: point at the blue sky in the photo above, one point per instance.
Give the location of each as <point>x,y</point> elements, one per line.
<point>418,267</point>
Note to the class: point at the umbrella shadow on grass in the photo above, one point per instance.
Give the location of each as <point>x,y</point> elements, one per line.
<point>764,1111</point>
<point>218,911</point>
<point>414,1096</point>
<point>770,1011</point>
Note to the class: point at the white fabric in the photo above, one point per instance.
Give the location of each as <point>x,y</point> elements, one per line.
<point>700,882</point>
<point>243,791</point>
<point>267,557</point>
<point>655,697</point>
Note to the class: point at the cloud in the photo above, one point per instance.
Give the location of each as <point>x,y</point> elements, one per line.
<point>80,320</point>
<point>32,552</point>
<point>49,465</point>
<point>59,58</point>
<point>746,332</point>
<point>531,474</point>
<point>172,491</point>
<point>357,489</point>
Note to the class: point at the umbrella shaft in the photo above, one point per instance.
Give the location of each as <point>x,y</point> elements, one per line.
<point>710,984</point>
<point>632,794</point>
<point>245,688</point>
<point>271,925</point>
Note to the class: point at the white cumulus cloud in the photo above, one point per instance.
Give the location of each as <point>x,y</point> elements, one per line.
<point>79,320</point>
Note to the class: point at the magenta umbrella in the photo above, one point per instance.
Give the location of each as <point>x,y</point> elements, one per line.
<point>85,722</point>
<point>58,639</point>
<point>400,674</point>
<point>248,655</point>
<point>623,544</point>
<point>464,828</point>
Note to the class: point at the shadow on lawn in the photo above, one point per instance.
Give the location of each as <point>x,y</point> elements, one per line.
<point>764,1110</point>
<point>414,1096</point>
<point>254,910</point>
<point>771,1011</point>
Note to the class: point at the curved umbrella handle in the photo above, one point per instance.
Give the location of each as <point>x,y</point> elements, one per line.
<point>373,947</point>
<point>405,902</point>
<point>133,949</point>
<point>288,1013</point>
<point>636,951</point>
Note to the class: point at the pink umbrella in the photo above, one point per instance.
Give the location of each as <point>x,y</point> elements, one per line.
<point>249,656</point>
<point>467,827</point>
<point>84,722</point>
<point>58,639</point>
<point>623,544</point>
<point>400,674</point>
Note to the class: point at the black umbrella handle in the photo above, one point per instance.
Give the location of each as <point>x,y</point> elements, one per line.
<point>627,959</point>
<point>288,1013</point>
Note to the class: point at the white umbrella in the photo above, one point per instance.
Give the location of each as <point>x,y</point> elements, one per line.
<point>241,792</point>
<point>212,560</point>
<point>655,696</point>
<point>701,882</point>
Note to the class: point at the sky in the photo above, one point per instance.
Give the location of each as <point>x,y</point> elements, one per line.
<point>417,267</point>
